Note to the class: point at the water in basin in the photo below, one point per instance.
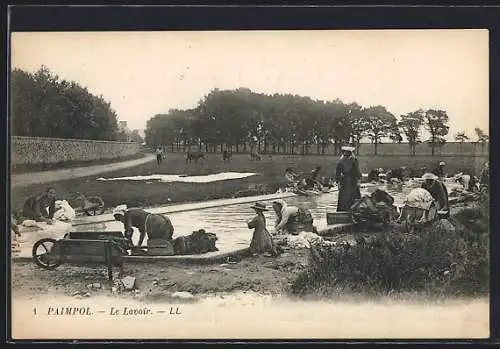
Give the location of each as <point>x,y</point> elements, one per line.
<point>230,222</point>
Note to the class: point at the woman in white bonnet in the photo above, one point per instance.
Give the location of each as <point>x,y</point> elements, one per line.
<point>420,208</point>
<point>155,226</point>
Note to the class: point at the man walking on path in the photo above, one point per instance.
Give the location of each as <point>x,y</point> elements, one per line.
<point>159,155</point>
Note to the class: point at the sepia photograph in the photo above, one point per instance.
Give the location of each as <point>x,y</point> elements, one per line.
<point>305,184</point>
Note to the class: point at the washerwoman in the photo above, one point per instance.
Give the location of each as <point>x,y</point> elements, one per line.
<point>348,177</point>
<point>155,226</point>
<point>262,241</point>
<point>292,219</point>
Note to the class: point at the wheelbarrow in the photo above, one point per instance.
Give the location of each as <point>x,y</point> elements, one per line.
<point>91,205</point>
<point>82,248</point>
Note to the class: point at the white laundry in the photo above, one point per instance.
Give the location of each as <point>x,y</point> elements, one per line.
<point>419,198</point>
<point>64,211</point>
<point>303,240</point>
<point>29,223</point>
<point>186,179</point>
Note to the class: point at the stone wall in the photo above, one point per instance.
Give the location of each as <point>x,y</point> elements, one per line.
<point>465,149</point>
<point>37,150</point>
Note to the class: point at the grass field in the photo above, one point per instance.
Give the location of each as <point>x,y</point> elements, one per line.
<point>270,169</point>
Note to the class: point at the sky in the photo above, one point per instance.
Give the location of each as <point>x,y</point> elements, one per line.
<point>147,73</point>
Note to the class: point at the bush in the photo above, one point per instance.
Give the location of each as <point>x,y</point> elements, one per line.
<point>437,261</point>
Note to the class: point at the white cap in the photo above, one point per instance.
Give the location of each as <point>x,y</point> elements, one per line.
<point>120,210</point>
<point>347,148</point>
<point>429,175</point>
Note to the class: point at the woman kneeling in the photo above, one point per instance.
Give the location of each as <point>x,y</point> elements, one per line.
<point>292,219</point>
<point>262,241</point>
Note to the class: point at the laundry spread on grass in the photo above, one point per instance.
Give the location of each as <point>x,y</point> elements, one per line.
<point>183,178</point>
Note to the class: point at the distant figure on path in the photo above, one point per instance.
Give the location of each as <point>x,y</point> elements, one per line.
<point>41,208</point>
<point>348,177</point>
<point>226,156</point>
<point>262,241</point>
<point>438,191</point>
<point>292,219</point>
<point>159,155</point>
<point>156,226</point>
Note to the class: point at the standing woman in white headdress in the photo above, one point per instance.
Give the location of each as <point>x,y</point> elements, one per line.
<point>348,177</point>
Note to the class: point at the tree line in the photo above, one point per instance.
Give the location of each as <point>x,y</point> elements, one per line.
<point>43,105</point>
<point>278,123</point>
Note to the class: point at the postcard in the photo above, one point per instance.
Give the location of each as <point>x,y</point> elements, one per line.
<point>297,184</point>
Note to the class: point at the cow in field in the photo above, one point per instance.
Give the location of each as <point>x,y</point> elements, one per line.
<point>255,156</point>
<point>194,155</point>
<point>226,156</point>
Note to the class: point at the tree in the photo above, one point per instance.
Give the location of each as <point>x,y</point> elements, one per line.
<point>435,122</point>
<point>461,137</point>
<point>411,124</point>
<point>43,105</point>
<point>347,124</point>
<point>379,124</point>
<point>136,137</point>
<point>482,138</point>
<point>395,134</point>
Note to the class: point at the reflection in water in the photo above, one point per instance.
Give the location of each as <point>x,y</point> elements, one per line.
<point>229,222</point>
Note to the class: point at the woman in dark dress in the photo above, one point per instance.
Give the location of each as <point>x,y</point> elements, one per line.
<point>348,178</point>
<point>438,191</point>
<point>262,241</point>
<point>155,226</point>
<point>41,208</point>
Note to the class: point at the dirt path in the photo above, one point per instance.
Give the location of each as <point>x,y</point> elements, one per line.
<point>71,173</point>
<point>261,274</point>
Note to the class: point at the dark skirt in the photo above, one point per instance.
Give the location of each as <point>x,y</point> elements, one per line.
<point>348,194</point>
<point>159,227</point>
<point>29,211</point>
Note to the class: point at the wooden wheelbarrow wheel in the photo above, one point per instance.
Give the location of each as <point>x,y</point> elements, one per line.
<point>47,244</point>
<point>93,206</point>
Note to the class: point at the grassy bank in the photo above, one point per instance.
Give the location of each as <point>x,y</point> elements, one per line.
<point>26,168</point>
<point>270,175</point>
<point>437,262</point>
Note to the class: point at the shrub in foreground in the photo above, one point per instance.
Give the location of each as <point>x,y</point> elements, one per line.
<point>435,261</point>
